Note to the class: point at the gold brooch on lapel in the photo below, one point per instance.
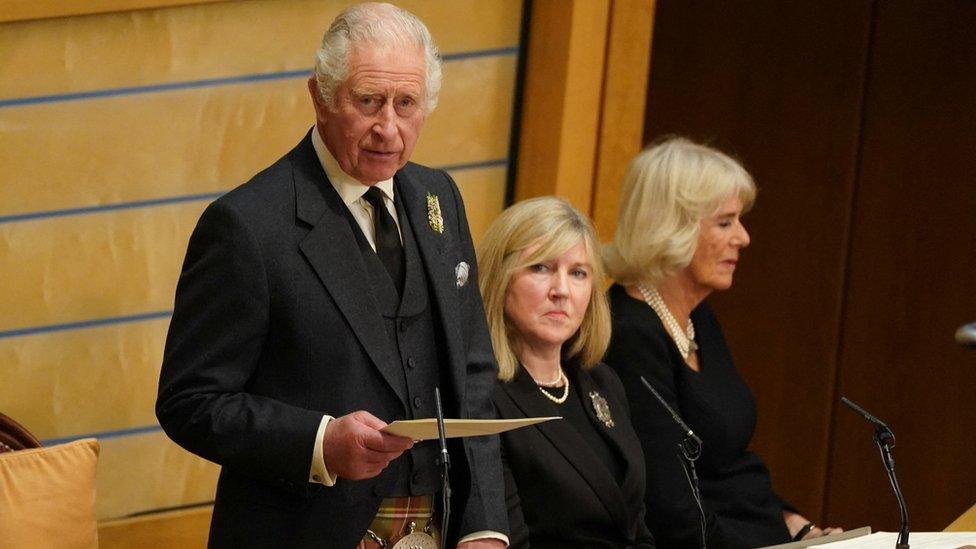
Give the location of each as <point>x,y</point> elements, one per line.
<point>602,408</point>
<point>434,218</point>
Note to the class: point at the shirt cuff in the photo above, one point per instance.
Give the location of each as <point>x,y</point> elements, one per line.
<point>485,534</point>
<point>319,473</point>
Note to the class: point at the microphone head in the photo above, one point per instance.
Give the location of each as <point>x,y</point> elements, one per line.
<point>966,335</point>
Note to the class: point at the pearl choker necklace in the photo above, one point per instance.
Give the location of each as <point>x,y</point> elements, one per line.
<point>547,394</point>
<point>685,340</point>
<point>555,381</point>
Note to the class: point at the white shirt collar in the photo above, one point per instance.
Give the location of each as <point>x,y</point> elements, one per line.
<point>348,187</point>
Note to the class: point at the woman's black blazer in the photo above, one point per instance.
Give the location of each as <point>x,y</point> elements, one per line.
<point>559,493</point>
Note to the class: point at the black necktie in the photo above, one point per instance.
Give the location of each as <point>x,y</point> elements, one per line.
<point>387,237</point>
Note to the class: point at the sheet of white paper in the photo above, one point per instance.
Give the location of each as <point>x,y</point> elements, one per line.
<point>426,429</point>
<point>805,544</point>
<point>917,540</point>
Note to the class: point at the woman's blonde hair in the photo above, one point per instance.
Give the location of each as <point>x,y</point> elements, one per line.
<point>668,189</point>
<point>549,226</point>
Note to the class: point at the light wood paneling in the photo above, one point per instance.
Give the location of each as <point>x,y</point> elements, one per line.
<point>19,10</point>
<point>182,529</point>
<point>483,192</point>
<point>148,471</point>
<point>965,523</point>
<point>75,268</point>
<point>194,141</point>
<point>83,381</point>
<point>562,99</point>
<point>621,133</point>
<point>583,106</point>
<point>190,43</point>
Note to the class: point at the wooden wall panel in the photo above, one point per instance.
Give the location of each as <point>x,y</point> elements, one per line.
<point>116,129</point>
<point>583,101</point>
<point>561,103</point>
<point>624,96</point>
<point>912,278</point>
<point>19,10</point>
<point>779,85</point>
<point>857,120</point>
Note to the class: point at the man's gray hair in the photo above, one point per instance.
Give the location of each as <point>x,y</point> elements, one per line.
<point>376,24</point>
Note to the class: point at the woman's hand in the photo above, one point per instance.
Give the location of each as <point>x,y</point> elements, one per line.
<point>796,522</point>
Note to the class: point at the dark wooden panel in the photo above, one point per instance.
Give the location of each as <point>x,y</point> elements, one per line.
<point>912,277</point>
<point>779,84</point>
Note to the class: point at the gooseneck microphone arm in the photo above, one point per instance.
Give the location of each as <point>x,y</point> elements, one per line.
<point>885,440</point>
<point>689,450</point>
<point>445,462</point>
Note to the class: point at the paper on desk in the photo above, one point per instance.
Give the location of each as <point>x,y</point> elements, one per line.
<point>426,429</point>
<point>834,538</point>
<point>917,540</point>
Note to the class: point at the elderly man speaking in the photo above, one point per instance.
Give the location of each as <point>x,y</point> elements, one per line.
<point>323,299</point>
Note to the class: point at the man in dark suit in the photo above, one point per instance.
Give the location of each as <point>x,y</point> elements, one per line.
<point>327,297</point>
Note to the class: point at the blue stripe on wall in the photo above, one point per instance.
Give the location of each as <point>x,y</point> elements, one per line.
<point>92,323</point>
<point>103,435</point>
<point>13,218</point>
<point>212,82</point>
<point>81,324</point>
<point>110,207</point>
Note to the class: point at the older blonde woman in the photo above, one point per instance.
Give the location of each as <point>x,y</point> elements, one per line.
<point>679,237</point>
<point>578,481</point>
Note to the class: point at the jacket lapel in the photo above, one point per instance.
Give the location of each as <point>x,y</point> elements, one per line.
<point>627,447</point>
<point>331,250</point>
<point>440,275</point>
<point>564,438</point>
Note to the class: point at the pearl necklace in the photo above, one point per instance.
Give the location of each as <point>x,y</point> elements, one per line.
<point>559,399</point>
<point>554,382</point>
<point>685,340</point>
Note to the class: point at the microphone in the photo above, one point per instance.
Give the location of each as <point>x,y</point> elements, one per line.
<point>445,462</point>
<point>867,415</point>
<point>691,445</point>
<point>966,335</point>
<point>689,450</point>
<point>885,440</point>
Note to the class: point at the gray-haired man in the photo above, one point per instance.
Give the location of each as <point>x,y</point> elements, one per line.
<point>320,301</point>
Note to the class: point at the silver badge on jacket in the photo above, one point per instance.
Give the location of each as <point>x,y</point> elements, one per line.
<point>461,273</point>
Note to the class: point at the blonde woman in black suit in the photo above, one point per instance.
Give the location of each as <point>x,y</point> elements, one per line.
<point>578,481</point>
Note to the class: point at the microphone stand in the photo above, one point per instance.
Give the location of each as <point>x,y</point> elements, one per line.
<point>885,440</point>
<point>444,461</point>
<point>689,450</point>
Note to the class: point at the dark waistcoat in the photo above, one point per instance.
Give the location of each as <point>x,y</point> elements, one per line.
<point>409,323</point>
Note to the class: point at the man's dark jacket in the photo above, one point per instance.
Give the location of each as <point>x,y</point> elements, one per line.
<point>275,325</point>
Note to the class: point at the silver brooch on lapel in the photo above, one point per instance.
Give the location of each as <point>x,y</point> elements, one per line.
<point>434,218</point>
<point>602,408</point>
<point>461,273</point>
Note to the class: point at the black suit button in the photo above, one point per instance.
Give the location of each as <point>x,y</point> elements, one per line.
<point>403,325</point>
<point>417,477</point>
<point>416,402</point>
<point>411,363</point>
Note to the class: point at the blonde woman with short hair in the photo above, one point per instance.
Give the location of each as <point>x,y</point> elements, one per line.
<point>679,238</point>
<point>577,481</point>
